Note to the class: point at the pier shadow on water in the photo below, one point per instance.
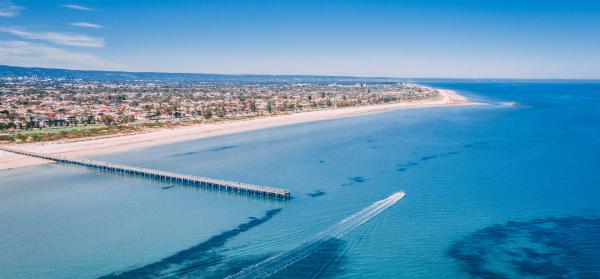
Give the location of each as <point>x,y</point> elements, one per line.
<point>205,261</point>
<point>566,247</point>
<point>196,258</point>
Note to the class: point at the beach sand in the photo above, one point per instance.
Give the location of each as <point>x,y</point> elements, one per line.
<point>120,143</point>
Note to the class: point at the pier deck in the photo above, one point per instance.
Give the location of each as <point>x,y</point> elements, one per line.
<point>173,177</point>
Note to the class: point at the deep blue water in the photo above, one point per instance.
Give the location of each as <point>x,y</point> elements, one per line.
<point>493,191</point>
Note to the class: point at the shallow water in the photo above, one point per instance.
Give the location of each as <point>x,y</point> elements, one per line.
<point>494,190</point>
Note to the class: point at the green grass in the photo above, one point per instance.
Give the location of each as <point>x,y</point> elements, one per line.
<point>56,130</point>
<point>50,134</point>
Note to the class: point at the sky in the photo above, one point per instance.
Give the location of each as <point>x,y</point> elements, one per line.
<point>414,39</point>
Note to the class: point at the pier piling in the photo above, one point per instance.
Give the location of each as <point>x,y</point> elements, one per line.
<point>171,177</point>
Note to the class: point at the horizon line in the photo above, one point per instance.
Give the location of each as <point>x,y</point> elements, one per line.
<point>305,75</point>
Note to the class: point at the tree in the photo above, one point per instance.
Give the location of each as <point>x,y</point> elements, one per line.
<point>221,112</point>
<point>128,118</point>
<point>207,113</point>
<point>107,119</point>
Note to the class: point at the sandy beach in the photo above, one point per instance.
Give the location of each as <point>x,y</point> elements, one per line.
<point>120,143</point>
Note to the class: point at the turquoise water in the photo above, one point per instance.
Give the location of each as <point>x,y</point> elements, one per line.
<point>491,192</point>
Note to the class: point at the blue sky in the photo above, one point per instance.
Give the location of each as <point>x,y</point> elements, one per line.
<point>456,39</point>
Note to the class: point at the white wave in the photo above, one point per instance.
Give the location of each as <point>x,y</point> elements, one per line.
<point>283,260</point>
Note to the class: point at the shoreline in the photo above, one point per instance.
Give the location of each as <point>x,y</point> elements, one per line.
<point>120,143</point>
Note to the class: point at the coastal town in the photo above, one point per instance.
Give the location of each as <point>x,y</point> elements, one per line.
<point>34,109</point>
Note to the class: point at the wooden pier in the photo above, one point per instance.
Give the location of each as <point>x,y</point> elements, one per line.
<point>171,177</point>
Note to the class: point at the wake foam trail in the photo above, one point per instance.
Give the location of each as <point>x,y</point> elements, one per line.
<point>283,260</point>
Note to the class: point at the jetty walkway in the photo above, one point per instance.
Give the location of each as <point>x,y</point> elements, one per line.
<point>164,176</point>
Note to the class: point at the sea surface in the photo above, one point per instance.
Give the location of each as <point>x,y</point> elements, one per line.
<point>492,191</point>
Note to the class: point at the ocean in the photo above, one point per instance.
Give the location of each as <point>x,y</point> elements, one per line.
<point>492,191</point>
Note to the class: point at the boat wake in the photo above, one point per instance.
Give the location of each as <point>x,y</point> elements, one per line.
<point>278,262</point>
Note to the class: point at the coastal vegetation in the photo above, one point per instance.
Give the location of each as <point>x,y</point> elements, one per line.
<point>98,130</point>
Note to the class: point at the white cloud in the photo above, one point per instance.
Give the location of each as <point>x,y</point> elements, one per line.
<point>87,25</point>
<point>77,7</point>
<point>57,38</point>
<point>8,9</point>
<point>21,53</point>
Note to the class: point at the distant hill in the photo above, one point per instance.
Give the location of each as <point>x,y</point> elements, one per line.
<point>15,72</point>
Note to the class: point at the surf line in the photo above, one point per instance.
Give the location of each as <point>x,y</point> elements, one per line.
<point>280,261</point>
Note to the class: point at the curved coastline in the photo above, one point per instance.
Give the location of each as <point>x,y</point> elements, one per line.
<point>120,143</point>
